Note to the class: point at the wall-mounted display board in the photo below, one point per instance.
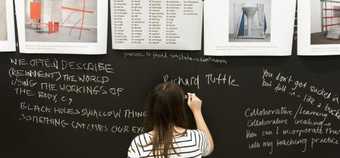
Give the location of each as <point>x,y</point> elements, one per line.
<point>92,106</point>
<point>76,106</point>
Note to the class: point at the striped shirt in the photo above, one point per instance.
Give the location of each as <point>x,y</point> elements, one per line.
<point>192,144</point>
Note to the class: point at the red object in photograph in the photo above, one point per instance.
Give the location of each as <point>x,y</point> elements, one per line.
<point>56,26</point>
<point>35,11</point>
<point>53,27</point>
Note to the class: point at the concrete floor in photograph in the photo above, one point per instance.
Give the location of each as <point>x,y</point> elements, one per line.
<point>3,26</point>
<point>320,38</point>
<point>266,39</point>
<point>64,35</point>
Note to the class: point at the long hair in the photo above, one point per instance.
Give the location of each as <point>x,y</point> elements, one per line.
<point>165,109</point>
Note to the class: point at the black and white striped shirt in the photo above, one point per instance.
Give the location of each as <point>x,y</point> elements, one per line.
<point>192,144</point>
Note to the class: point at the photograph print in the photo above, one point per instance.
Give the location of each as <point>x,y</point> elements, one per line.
<point>61,20</point>
<point>250,21</point>
<point>325,22</point>
<point>3,21</point>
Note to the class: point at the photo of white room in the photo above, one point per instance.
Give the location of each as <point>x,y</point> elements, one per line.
<point>325,22</point>
<point>61,20</point>
<point>250,21</point>
<point>3,21</point>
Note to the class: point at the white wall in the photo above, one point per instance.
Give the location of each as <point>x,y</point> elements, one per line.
<point>3,19</point>
<point>267,10</point>
<point>315,16</point>
<point>27,10</point>
<point>51,10</point>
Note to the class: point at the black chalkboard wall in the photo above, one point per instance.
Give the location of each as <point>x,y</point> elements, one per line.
<point>71,106</point>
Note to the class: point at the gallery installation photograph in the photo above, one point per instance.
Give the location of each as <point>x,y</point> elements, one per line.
<point>62,26</point>
<point>249,22</point>
<point>3,20</point>
<point>248,27</point>
<point>53,21</point>
<point>319,27</point>
<point>7,28</point>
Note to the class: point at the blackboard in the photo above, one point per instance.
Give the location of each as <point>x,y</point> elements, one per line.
<point>74,106</point>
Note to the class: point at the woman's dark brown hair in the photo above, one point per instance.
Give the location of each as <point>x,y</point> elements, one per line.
<point>165,110</point>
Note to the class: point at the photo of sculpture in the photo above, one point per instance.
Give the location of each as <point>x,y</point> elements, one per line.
<point>250,21</point>
<point>325,22</point>
<point>61,20</point>
<point>3,21</point>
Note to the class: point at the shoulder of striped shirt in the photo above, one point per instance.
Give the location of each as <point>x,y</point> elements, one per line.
<point>146,137</point>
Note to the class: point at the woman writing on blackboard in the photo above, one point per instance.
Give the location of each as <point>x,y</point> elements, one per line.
<point>167,119</point>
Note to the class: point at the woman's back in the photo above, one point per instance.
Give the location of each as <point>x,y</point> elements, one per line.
<point>192,143</point>
<point>166,118</point>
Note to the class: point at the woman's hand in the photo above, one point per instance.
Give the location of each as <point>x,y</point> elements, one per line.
<point>194,103</point>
